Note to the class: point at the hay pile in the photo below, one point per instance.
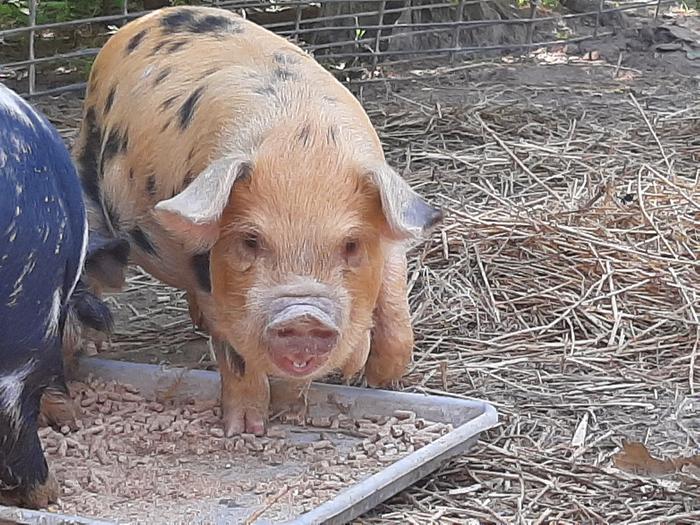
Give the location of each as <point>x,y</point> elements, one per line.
<point>564,288</point>
<point>566,233</point>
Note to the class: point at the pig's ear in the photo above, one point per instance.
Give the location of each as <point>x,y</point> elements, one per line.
<point>408,215</point>
<point>193,215</point>
<point>106,260</point>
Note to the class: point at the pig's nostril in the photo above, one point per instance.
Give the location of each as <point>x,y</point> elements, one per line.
<point>315,333</point>
<point>286,332</point>
<point>322,334</point>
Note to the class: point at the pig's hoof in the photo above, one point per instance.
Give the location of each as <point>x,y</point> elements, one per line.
<point>379,373</point>
<point>39,497</point>
<point>44,495</point>
<point>242,420</point>
<point>57,410</point>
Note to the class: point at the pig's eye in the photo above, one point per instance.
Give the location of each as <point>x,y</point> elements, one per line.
<point>351,248</point>
<point>251,241</point>
<point>352,252</point>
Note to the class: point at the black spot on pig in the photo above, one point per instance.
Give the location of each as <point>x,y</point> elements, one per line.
<point>284,59</point>
<point>162,75</point>
<point>304,134</point>
<point>187,109</point>
<point>189,177</point>
<point>110,99</point>
<point>142,240</point>
<point>200,265</point>
<point>135,41</point>
<point>87,160</point>
<point>158,47</point>
<point>131,173</point>
<point>168,103</point>
<point>332,136</point>
<point>185,21</point>
<point>178,20</point>
<point>117,142</point>
<point>283,74</point>
<point>266,91</point>
<point>209,72</point>
<point>245,172</point>
<point>215,24</point>
<point>151,185</point>
<point>176,45</point>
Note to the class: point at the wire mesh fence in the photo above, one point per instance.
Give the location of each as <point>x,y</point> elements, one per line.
<point>47,47</point>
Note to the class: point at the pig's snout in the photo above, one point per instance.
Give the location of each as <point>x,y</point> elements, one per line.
<point>301,333</point>
<point>304,332</point>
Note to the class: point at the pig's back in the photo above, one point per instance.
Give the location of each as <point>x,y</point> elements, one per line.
<point>167,91</point>
<point>42,224</point>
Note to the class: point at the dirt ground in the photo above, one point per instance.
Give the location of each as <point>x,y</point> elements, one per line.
<point>563,287</point>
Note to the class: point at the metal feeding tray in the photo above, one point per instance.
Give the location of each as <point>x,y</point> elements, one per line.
<point>468,417</point>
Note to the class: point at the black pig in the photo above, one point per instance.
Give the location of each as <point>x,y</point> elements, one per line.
<point>43,249</point>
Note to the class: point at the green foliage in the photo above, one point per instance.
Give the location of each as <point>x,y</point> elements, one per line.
<point>15,13</point>
<point>84,65</point>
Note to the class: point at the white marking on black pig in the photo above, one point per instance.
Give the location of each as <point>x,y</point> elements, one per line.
<point>54,316</point>
<point>81,260</point>
<point>11,386</point>
<point>43,233</point>
<point>18,285</point>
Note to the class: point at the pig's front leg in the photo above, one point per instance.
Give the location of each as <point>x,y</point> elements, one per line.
<point>392,336</point>
<point>357,359</point>
<point>245,392</point>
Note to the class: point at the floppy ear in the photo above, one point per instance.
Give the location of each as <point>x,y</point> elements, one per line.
<point>106,260</point>
<point>409,216</point>
<point>193,215</point>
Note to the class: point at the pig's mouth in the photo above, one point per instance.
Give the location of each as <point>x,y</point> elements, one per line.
<point>301,334</point>
<point>298,365</point>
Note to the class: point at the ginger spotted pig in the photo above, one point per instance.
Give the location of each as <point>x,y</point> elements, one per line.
<point>242,172</point>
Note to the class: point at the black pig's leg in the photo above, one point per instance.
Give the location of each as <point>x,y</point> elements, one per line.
<point>25,479</point>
